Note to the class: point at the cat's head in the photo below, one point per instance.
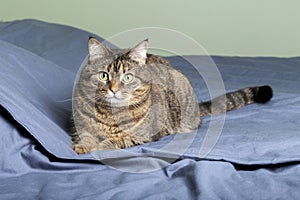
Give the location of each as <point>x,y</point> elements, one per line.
<point>117,77</point>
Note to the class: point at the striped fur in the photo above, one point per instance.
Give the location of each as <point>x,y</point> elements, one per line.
<point>126,98</point>
<point>236,99</point>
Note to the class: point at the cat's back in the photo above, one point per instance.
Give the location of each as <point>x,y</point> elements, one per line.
<point>154,59</point>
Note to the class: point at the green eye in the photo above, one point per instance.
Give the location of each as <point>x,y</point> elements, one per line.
<point>103,76</point>
<point>128,78</point>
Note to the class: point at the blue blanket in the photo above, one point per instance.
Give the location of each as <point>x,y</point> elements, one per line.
<point>256,155</point>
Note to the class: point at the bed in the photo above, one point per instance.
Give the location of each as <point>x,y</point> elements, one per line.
<point>257,155</point>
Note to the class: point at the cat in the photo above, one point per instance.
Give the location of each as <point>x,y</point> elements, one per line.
<point>128,97</point>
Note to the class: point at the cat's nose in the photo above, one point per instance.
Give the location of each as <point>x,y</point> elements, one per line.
<point>114,88</point>
<point>113,91</point>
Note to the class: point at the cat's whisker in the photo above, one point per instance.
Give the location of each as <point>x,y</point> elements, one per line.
<point>65,100</point>
<point>137,106</point>
<point>70,99</point>
<point>75,112</point>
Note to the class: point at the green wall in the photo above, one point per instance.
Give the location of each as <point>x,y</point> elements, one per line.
<point>222,27</point>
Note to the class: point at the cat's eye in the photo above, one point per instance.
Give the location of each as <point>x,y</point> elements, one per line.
<point>103,76</point>
<point>128,78</point>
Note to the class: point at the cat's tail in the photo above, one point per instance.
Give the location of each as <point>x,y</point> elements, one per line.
<point>236,99</point>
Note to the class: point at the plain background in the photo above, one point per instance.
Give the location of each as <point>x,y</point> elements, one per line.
<point>231,27</point>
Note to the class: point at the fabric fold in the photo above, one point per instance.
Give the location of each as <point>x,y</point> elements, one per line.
<point>36,89</point>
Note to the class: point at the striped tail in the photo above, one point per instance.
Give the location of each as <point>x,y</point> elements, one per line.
<point>236,99</point>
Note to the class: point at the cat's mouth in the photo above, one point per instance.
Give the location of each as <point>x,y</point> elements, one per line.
<point>117,101</point>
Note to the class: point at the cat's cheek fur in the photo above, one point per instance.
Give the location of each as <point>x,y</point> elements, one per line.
<point>94,80</point>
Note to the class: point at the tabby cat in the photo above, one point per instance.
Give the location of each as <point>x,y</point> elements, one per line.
<point>124,98</point>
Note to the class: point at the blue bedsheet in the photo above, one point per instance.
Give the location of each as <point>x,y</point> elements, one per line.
<point>256,157</point>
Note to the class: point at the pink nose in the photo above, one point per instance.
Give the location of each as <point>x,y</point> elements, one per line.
<point>114,88</point>
<point>114,91</point>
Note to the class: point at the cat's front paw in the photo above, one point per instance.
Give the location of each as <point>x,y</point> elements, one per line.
<point>80,149</point>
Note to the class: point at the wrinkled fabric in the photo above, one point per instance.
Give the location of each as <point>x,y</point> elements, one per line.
<point>256,155</point>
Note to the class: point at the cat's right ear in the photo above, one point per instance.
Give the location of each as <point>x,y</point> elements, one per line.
<point>139,52</point>
<point>97,50</point>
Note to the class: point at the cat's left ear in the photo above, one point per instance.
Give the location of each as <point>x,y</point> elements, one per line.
<point>97,50</point>
<point>139,52</point>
